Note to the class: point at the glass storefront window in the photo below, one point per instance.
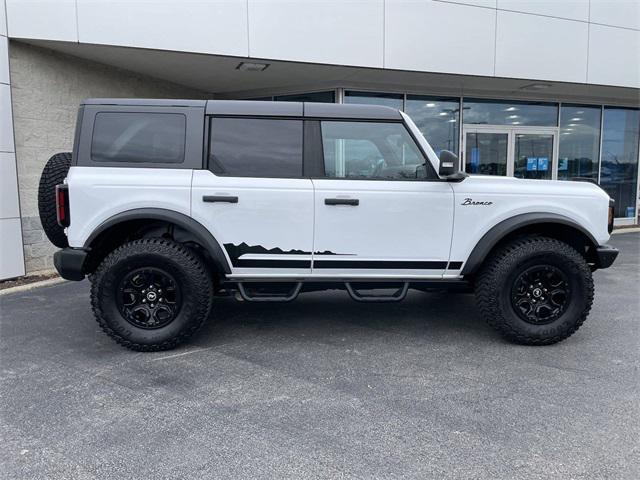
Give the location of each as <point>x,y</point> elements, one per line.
<point>579,142</point>
<point>619,159</point>
<point>491,112</point>
<point>438,119</point>
<point>393,100</point>
<point>320,97</point>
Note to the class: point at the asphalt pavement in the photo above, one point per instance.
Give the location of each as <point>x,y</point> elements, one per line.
<point>323,388</point>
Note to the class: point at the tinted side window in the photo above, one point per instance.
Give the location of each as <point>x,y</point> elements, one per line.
<point>248,147</point>
<point>138,137</point>
<point>363,150</point>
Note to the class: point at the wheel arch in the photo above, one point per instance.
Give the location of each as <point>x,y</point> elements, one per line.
<point>124,222</point>
<point>548,224</point>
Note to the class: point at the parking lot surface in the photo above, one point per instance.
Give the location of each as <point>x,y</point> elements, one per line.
<point>323,388</point>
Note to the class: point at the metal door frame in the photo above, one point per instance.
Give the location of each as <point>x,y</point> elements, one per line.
<point>511,132</point>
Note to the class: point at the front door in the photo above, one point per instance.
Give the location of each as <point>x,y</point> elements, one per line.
<point>522,152</point>
<point>378,210</point>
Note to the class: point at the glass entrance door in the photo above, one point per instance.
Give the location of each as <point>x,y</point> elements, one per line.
<point>486,153</point>
<point>523,152</point>
<point>533,155</point>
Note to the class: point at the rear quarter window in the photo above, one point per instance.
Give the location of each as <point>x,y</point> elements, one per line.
<point>138,137</point>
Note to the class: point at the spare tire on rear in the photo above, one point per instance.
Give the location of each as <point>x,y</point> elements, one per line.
<point>54,173</point>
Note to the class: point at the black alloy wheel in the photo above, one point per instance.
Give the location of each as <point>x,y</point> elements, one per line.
<point>540,294</point>
<point>149,298</point>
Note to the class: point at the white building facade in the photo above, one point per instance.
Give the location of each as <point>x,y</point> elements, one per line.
<point>545,89</point>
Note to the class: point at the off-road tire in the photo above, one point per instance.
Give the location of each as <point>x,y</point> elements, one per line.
<point>190,273</point>
<point>54,173</point>
<point>495,281</point>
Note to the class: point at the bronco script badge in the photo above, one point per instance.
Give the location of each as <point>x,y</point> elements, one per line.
<point>470,201</point>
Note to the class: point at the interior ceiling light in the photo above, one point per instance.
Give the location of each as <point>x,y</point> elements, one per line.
<point>513,116</point>
<point>430,105</point>
<point>252,67</point>
<point>442,114</point>
<point>511,109</point>
<point>536,86</point>
<point>576,119</point>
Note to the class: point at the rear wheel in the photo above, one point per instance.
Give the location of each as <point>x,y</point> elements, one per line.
<point>151,294</point>
<point>535,291</point>
<point>54,173</point>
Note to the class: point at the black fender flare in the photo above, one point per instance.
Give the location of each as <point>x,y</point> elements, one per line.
<point>505,227</point>
<point>199,231</point>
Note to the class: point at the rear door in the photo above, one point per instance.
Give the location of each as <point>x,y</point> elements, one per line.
<point>253,197</point>
<point>379,209</point>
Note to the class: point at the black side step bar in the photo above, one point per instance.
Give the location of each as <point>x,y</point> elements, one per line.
<point>397,296</point>
<point>288,297</point>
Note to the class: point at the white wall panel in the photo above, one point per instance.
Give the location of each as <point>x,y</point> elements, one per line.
<point>531,46</point>
<point>618,13</point>
<point>477,3</point>
<point>8,186</point>
<point>573,9</point>
<point>4,60</point>
<point>439,37</point>
<point>6,123</point>
<point>12,255</point>
<point>3,19</point>
<point>347,32</point>
<point>50,19</point>
<point>613,56</point>
<point>210,26</point>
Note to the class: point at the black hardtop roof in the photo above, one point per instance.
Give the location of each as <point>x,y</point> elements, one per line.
<point>262,108</point>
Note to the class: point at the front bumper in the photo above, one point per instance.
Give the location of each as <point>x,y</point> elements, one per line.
<point>70,262</point>
<point>605,256</point>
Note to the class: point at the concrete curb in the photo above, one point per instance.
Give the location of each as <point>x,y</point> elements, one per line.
<point>31,286</point>
<point>626,230</point>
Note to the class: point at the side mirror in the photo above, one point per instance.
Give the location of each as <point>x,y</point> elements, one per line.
<point>449,167</point>
<point>448,163</point>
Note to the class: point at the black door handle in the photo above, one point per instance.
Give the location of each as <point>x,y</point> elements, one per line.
<point>342,201</point>
<point>220,198</point>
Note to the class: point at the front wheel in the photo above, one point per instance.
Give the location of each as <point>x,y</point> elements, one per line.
<point>535,291</point>
<point>151,294</point>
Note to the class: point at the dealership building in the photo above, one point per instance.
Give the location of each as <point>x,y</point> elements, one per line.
<point>537,89</point>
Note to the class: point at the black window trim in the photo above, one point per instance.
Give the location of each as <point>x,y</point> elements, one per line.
<point>193,153</point>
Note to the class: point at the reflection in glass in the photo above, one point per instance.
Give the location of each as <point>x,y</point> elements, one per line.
<point>393,100</point>
<point>491,112</point>
<point>619,159</point>
<point>579,142</point>
<point>363,150</point>
<point>486,153</point>
<point>438,119</point>
<point>533,156</point>
<point>320,97</point>
<point>250,147</point>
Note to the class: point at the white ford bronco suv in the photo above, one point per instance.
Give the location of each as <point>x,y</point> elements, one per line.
<point>166,204</point>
